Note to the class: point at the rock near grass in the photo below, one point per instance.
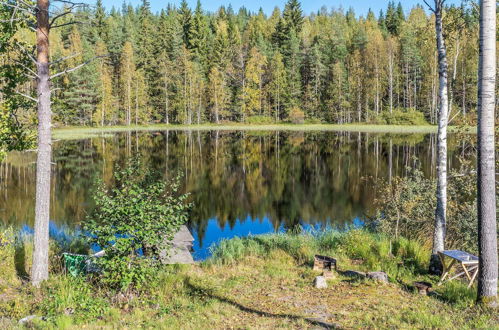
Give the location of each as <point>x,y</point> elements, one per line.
<point>354,273</point>
<point>378,276</point>
<point>320,282</point>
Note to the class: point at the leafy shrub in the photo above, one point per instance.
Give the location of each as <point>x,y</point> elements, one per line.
<point>296,115</point>
<point>259,120</point>
<point>133,222</point>
<point>13,135</point>
<point>401,116</point>
<point>406,207</point>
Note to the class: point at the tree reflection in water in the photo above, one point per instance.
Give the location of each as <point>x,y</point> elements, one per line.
<point>241,182</point>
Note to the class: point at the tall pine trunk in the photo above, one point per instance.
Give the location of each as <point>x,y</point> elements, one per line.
<point>39,271</point>
<point>487,225</point>
<point>441,209</point>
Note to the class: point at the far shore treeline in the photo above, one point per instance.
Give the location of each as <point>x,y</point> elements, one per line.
<point>186,65</point>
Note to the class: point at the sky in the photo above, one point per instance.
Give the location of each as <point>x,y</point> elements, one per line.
<point>360,6</point>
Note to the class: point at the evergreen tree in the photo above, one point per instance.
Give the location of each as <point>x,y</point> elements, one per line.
<point>186,22</point>
<point>199,35</point>
<point>293,15</point>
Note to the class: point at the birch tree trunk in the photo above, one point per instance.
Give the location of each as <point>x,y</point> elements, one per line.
<point>441,209</point>
<point>487,225</point>
<point>390,75</point>
<point>39,270</point>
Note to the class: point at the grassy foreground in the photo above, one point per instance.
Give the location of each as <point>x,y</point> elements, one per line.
<point>256,282</point>
<point>71,133</point>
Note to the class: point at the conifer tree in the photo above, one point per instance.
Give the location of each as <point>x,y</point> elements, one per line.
<point>186,22</point>
<point>293,15</point>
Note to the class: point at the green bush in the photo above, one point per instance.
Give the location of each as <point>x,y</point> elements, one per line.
<point>133,222</point>
<point>296,115</point>
<point>401,116</point>
<point>406,207</point>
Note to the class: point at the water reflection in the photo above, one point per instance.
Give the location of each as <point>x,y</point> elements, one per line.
<point>241,182</point>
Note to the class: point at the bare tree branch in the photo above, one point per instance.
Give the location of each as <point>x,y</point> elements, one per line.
<point>27,96</point>
<point>26,68</point>
<point>71,2</point>
<point>76,67</point>
<point>65,58</point>
<point>430,7</point>
<point>65,24</point>
<point>29,54</point>
<point>11,20</point>
<point>29,11</point>
<point>67,10</point>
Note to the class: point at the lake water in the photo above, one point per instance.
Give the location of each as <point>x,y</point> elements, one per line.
<point>241,182</point>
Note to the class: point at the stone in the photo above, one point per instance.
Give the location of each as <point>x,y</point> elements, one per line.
<point>181,247</point>
<point>320,282</point>
<point>329,274</point>
<point>29,318</point>
<point>378,276</point>
<point>354,273</point>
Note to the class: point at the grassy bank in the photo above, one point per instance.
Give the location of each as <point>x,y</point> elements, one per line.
<point>86,132</point>
<point>256,282</point>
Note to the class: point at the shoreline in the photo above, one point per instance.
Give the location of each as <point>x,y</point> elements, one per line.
<point>72,133</point>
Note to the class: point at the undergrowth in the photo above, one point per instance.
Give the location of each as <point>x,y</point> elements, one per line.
<point>249,282</point>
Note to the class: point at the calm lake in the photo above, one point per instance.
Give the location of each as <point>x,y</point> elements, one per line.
<point>241,182</point>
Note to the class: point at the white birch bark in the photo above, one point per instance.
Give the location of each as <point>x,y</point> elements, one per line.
<point>487,225</point>
<point>441,209</point>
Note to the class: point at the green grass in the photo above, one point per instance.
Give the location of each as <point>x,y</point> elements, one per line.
<point>72,133</point>
<point>255,282</point>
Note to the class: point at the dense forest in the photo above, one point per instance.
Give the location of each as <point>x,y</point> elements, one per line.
<point>186,65</point>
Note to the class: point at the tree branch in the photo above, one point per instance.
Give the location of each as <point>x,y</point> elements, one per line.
<point>27,96</point>
<point>67,10</point>
<point>76,67</point>
<point>27,68</point>
<point>65,24</point>
<point>17,7</point>
<point>62,59</point>
<point>430,7</point>
<point>31,57</point>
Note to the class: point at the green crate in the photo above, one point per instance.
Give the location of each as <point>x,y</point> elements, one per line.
<point>75,264</point>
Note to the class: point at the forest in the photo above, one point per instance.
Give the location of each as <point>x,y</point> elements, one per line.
<point>161,190</point>
<point>189,66</point>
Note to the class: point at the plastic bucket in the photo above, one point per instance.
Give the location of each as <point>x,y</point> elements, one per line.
<point>75,264</point>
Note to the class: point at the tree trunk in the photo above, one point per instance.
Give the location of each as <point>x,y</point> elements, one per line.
<point>440,212</point>
<point>487,225</point>
<point>390,75</point>
<point>40,268</point>
<point>167,106</point>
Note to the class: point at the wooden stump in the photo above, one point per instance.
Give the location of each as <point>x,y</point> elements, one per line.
<point>422,287</point>
<point>322,263</point>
